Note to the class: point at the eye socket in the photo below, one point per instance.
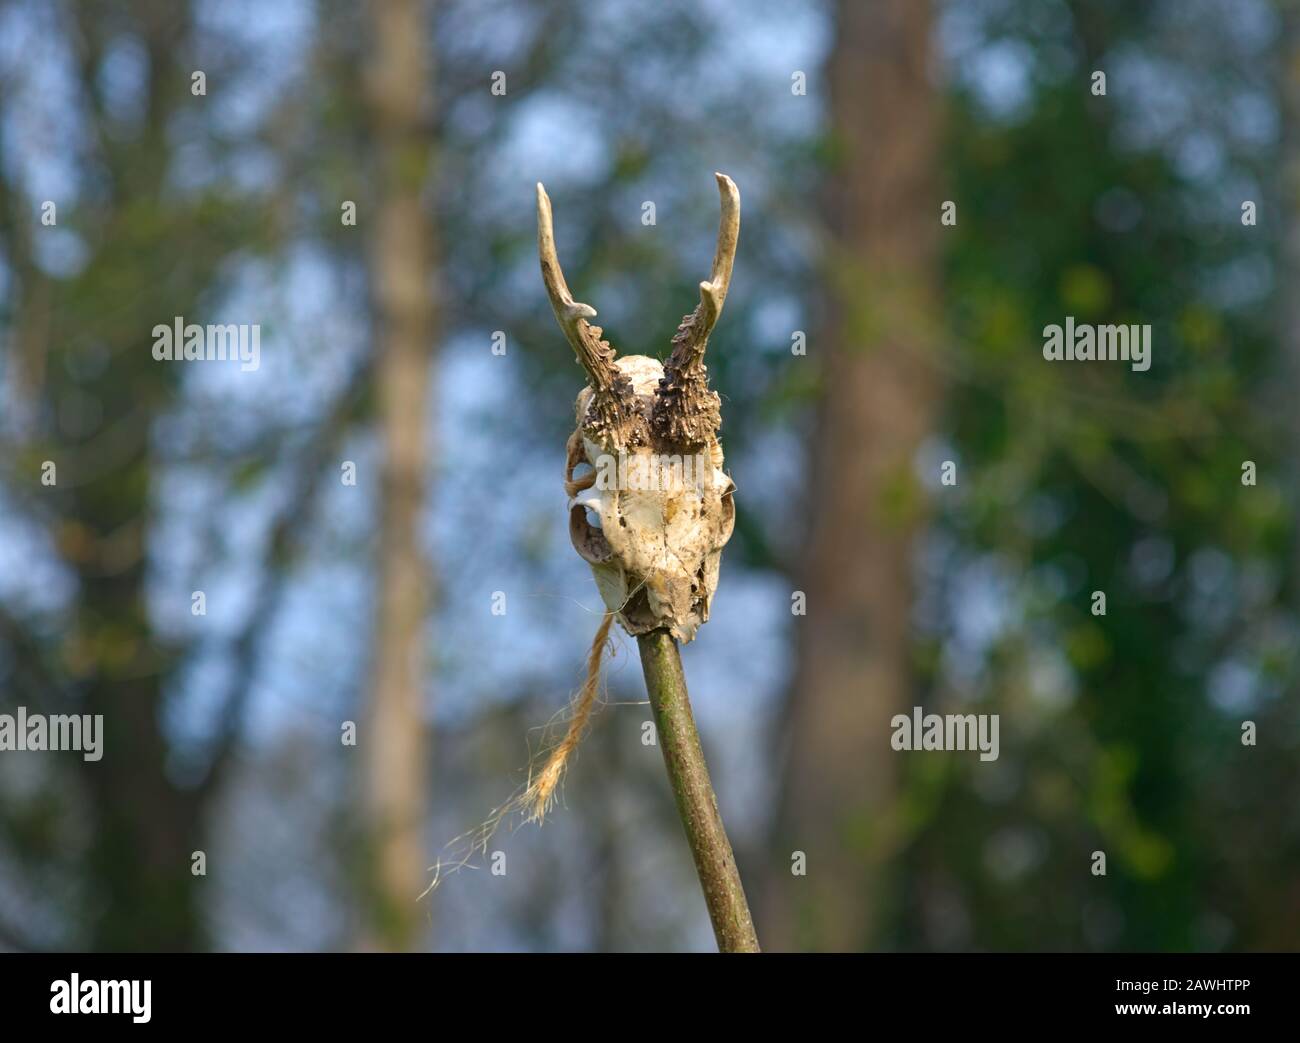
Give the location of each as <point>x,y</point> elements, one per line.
<point>587,540</point>
<point>728,511</point>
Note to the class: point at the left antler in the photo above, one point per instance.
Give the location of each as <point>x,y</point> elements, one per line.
<point>714,292</point>
<point>686,411</point>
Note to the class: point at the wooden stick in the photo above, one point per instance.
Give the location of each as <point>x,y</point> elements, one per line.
<point>696,802</point>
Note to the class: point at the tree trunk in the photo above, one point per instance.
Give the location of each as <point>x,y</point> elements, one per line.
<point>394,742</point>
<point>853,670</point>
<point>144,826</point>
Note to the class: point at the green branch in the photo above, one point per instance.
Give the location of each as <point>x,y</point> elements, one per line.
<point>696,803</point>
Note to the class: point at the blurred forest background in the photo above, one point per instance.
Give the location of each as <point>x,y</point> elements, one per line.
<point>864,344</point>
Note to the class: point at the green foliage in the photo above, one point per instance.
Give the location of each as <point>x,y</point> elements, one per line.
<point>1100,478</point>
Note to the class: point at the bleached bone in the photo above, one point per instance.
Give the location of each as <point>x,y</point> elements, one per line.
<point>655,552</point>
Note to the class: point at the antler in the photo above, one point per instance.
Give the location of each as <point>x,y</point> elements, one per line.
<point>686,411</point>
<point>714,292</point>
<point>596,355</point>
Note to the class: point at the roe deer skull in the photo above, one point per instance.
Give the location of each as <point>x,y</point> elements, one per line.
<point>649,431</point>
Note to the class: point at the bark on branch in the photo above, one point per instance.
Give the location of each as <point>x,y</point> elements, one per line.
<point>696,802</point>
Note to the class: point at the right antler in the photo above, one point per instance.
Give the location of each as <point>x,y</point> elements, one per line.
<point>596,355</point>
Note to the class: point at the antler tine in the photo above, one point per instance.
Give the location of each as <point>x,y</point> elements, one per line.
<point>686,411</point>
<point>714,292</point>
<point>693,334</point>
<point>596,356</point>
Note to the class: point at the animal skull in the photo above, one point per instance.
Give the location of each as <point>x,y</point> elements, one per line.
<point>649,431</point>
